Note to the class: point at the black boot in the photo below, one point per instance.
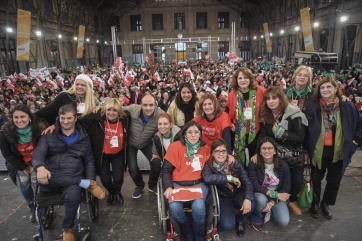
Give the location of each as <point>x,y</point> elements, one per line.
<point>32,213</point>
<point>314,210</point>
<point>199,232</point>
<point>119,198</point>
<point>240,231</point>
<point>186,231</point>
<point>325,211</point>
<point>110,198</point>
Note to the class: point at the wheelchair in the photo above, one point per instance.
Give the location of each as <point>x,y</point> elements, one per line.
<point>44,212</point>
<point>169,225</point>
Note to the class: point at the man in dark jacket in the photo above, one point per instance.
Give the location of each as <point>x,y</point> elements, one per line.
<point>62,160</point>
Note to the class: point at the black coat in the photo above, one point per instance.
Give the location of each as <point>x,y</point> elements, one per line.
<point>212,177</point>
<point>94,125</point>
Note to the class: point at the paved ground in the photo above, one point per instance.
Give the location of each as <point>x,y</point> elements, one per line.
<point>138,221</point>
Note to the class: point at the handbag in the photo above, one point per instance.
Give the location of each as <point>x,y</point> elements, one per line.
<point>294,156</point>
<point>305,196</point>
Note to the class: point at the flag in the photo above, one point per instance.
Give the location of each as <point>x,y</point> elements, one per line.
<point>156,77</point>
<point>188,72</point>
<point>38,83</point>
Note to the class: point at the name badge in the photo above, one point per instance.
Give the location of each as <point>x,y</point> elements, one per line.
<point>294,103</point>
<point>80,108</point>
<point>196,165</point>
<point>248,114</point>
<point>114,142</point>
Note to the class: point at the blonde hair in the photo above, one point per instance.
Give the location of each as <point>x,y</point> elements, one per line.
<point>115,103</point>
<point>89,100</point>
<point>300,68</point>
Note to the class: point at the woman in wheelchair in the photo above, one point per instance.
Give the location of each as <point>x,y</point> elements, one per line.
<point>181,171</point>
<point>233,185</point>
<point>18,138</point>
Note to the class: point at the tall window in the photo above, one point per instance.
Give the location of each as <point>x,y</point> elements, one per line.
<point>223,49</point>
<point>136,24</point>
<point>291,38</point>
<point>201,20</point>
<point>179,20</point>
<point>323,39</point>
<point>157,21</point>
<point>280,47</point>
<point>223,20</point>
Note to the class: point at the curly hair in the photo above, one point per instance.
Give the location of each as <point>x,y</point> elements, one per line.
<point>200,112</point>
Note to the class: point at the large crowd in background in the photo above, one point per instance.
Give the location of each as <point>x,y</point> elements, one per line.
<point>224,119</point>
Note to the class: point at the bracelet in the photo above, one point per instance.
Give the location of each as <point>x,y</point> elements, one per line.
<point>274,194</point>
<point>230,178</point>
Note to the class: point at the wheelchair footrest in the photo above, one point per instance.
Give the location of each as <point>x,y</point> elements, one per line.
<point>212,235</point>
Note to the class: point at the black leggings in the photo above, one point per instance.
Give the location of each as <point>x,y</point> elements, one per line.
<point>112,180</point>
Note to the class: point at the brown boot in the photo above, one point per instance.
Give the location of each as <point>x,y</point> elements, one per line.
<point>96,190</point>
<point>68,235</point>
<point>294,208</point>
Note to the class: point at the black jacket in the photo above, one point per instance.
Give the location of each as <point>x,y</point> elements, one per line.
<point>94,125</point>
<point>212,177</point>
<point>74,161</point>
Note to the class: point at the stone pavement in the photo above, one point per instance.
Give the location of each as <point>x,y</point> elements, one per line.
<point>137,220</point>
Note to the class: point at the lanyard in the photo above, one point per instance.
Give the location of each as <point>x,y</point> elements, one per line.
<point>111,129</point>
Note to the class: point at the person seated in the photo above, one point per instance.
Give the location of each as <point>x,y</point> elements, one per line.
<point>270,178</point>
<point>64,162</point>
<point>184,161</point>
<point>233,186</point>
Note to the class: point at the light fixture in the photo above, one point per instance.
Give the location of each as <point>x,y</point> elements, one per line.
<point>316,24</point>
<point>38,33</point>
<point>297,28</point>
<point>254,37</point>
<point>59,36</point>
<point>105,42</point>
<point>75,38</point>
<point>87,39</point>
<point>9,30</point>
<point>271,34</point>
<point>282,31</point>
<point>97,41</point>
<point>262,36</point>
<point>344,18</point>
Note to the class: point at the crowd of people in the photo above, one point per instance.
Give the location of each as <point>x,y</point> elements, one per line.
<point>207,123</point>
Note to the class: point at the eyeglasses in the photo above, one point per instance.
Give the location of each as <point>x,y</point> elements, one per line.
<point>269,148</point>
<point>304,75</point>
<point>192,132</point>
<point>220,152</point>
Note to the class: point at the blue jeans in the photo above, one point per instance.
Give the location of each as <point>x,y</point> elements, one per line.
<point>133,168</point>
<point>197,205</point>
<point>26,185</point>
<point>279,212</point>
<point>227,220</point>
<point>71,193</point>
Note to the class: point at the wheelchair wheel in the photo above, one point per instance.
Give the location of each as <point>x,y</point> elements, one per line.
<point>86,237</point>
<point>92,207</point>
<point>161,208</point>
<point>215,201</point>
<point>46,216</point>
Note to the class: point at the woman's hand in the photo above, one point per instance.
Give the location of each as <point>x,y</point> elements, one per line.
<point>246,206</point>
<point>28,170</point>
<point>268,207</point>
<point>231,159</point>
<point>237,182</point>
<point>283,196</point>
<point>168,192</point>
<point>50,129</point>
<point>232,127</point>
<point>254,159</point>
<point>97,109</point>
<point>274,129</point>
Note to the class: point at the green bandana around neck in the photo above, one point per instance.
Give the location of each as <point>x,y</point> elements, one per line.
<point>192,148</point>
<point>300,94</point>
<point>25,135</point>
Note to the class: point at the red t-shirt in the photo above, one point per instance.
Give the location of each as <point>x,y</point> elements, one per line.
<point>111,130</point>
<point>213,130</point>
<point>26,150</point>
<point>176,155</point>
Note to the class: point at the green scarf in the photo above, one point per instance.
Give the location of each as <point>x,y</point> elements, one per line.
<point>241,123</point>
<point>25,135</point>
<point>338,144</point>
<point>192,148</point>
<point>300,94</point>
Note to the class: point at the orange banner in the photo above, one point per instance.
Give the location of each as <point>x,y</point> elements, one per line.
<point>80,41</point>
<point>23,36</point>
<point>267,38</point>
<point>307,29</point>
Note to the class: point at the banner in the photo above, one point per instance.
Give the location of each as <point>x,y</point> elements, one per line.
<point>23,36</point>
<point>307,29</point>
<point>267,38</point>
<point>80,41</point>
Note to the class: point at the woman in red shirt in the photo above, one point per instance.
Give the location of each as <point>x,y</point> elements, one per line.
<point>182,167</point>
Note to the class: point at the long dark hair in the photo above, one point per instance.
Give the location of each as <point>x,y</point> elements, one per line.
<point>214,145</point>
<point>278,164</point>
<point>178,99</point>
<point>265,111</point>
<point>37,125</point>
